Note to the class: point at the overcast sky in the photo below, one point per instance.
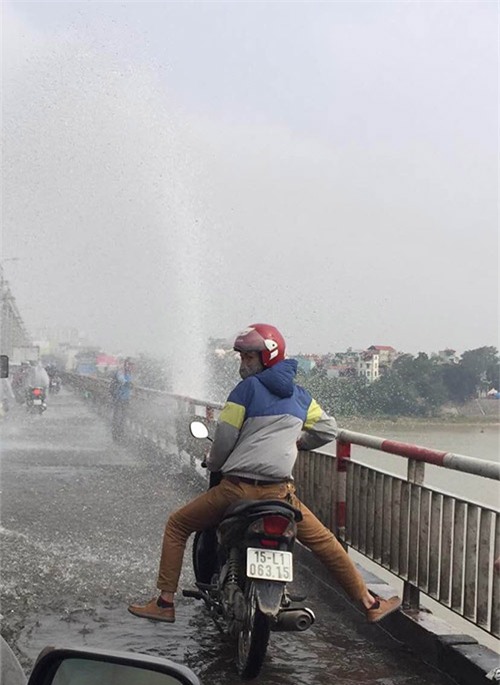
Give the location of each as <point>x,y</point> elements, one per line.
<point>173,171</point>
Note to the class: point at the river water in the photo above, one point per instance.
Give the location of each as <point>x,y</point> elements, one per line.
<point>480,440</point>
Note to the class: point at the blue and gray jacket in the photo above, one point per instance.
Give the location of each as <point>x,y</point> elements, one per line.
<point>263,418</point>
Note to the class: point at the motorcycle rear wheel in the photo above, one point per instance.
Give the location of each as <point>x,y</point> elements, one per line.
<point>253,637</point>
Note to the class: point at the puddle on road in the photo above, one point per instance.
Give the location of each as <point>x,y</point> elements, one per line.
<point>193,640</point>
<point>319,656</point>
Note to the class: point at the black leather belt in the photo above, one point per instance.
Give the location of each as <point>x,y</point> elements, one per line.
<point>253,481</point>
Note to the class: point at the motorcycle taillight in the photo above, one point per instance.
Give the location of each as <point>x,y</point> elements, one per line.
<point>272,530</point>
<point>275,525</point>
<point>37,391</point>
<point>271,544</point>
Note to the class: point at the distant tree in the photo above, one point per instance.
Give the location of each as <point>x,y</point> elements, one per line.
<point>411,369</point>
<point>417,383</point>
<point>484,364</point>
<point>319,385</point>
<point>478,369</point>
<point>393,396</point>
<point>337,396</point>
<point>460,383</point>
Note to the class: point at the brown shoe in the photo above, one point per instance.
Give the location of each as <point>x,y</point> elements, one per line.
<point>154,611</point>
<point>382,608</point>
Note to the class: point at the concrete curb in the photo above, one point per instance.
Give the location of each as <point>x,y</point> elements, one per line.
<point>460,656</point>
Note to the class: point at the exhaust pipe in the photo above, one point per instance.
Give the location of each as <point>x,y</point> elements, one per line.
<point>294,619</point>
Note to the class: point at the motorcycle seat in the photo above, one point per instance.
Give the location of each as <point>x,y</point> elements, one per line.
<point>262,507</point>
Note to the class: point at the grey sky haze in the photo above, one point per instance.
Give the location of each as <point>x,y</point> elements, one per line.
<point>174,171</point>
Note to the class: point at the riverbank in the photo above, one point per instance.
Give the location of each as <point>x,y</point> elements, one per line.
<point>362,423</point>
<point>478,412</point>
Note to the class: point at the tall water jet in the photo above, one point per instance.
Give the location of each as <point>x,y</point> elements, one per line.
<point>101,169</point>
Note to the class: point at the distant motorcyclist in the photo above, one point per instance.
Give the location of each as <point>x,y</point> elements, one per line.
<point>54,378</point>
<point>37,377</point>
<point>266,418</point>
<point>51,370</point>
<point>121,390</point>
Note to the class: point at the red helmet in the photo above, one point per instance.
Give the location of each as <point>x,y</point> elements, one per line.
<point>263,338</point>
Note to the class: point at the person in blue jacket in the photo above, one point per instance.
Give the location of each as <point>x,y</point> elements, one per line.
<point>265,420</point>
<point>120,389</point>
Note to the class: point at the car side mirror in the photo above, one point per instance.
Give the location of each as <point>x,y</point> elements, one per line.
<point>4,366</point>
<point>68,666</point>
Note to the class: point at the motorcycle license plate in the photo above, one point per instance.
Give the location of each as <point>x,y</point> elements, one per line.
<point>268,564</point>
<point>37,401</point>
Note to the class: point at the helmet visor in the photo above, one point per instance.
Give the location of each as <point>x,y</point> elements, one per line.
<point>249,340</point>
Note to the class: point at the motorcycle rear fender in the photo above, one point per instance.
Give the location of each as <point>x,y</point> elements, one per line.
<point>269,595</point>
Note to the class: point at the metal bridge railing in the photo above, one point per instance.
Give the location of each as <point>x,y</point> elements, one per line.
<point>437,543</point>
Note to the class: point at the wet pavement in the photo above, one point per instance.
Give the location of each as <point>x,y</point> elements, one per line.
<point>81,525</point>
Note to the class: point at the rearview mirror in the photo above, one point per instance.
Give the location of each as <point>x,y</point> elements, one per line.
<point>198,429</point>
<point>4,366</point>
<point>94,666</point>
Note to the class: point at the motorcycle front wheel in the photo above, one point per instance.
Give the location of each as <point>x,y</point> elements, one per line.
<point>253,637</point>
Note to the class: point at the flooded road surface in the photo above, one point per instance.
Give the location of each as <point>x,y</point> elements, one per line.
<point>81,525</point>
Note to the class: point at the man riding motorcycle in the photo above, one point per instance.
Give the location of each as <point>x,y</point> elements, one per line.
<point>36,377</point>
<point>265,419</point>
<point>121,392</point>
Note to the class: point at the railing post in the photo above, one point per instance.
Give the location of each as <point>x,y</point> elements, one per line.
<point>416,471</point>
<point>343,453</point>
<point>411,593</point>
<point>411,596</point>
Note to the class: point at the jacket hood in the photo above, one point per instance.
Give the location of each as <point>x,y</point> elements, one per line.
<point>279,379</point>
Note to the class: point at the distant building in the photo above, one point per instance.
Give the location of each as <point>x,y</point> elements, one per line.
<point>368,366</point>
<point>341,371</point>
<point>348,358</point>
<point>386,353</point>
<point>448,356</point>
<point>85,361</point>
<point>106,362</point>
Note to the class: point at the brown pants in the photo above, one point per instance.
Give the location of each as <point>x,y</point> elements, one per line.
<point>208,509</point>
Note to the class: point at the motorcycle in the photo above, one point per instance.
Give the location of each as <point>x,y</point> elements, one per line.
<point>54,384</point>
<point>35,400</point>
<point>242,568</point>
